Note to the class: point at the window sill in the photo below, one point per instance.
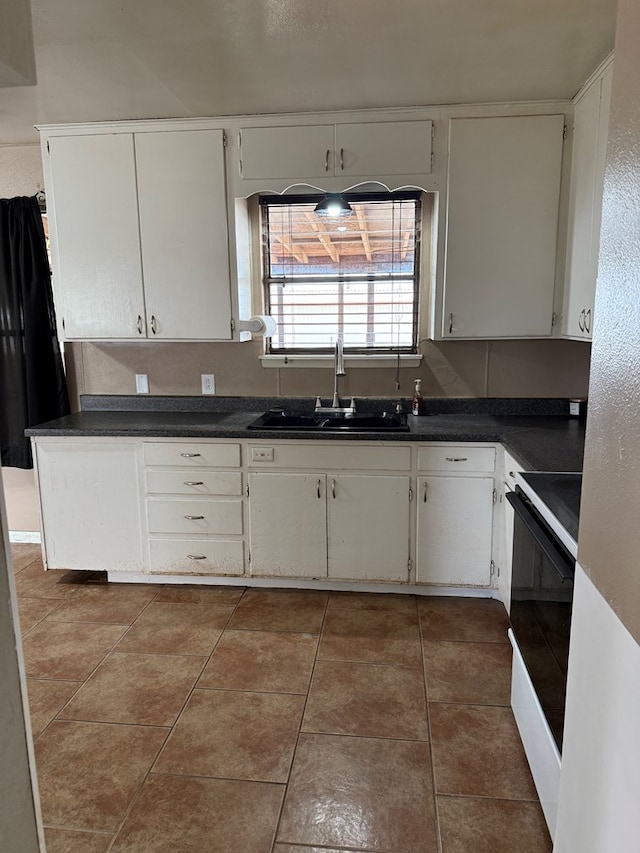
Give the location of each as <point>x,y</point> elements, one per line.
<point>406,360</point>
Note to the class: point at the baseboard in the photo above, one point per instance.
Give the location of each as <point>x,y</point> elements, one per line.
<point>33,537</point>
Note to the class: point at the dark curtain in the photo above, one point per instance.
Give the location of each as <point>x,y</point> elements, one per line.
<point>33,388</point>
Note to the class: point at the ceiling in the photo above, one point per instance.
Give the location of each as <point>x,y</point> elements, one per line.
<point>126,59</point>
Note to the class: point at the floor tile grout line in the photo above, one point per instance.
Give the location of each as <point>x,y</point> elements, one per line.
<point>430,735</point>
<point>42,618</point>
<point>304,710</point>
<point>170,731</point>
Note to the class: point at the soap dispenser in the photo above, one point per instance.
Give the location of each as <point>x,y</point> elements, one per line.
<point>417,404</point>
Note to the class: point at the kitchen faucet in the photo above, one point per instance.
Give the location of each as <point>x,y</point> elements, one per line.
<point>338,371</point>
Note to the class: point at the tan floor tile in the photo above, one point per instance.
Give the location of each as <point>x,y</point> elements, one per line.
<point>33,610</point>
<point>46,698</point>
<point>104,603</point>
<point>372,601</point>
<point>88,773</point>
<point>477,752</point>
<point>234,735</point>
<point>144,689</point>
<point>473,673</point>
<point>201,594</point>
<point>261,661</point>
<point>176,629</point>
<point>174,814</point>
<point>68,650</point>
<point>34,582</point>
<point>480,620</point>
<point>280,610</point>
<point>371,637</point>
<point>492,826</point>
<point>368,700</point>
<point>360,792</point>
<point>23,554</point>
<point>73,841</point>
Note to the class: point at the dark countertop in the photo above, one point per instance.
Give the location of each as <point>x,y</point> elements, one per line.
<point>542,442</point>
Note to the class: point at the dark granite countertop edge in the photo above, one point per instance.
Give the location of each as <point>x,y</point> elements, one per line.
<point>538,442</point>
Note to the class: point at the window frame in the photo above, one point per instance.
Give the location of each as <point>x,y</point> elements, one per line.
<point>266,280</point>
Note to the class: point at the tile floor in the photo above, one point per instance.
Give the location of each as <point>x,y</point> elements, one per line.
<point>270,721</point>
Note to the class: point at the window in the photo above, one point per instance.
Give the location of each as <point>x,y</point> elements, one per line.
<point>355,276</point>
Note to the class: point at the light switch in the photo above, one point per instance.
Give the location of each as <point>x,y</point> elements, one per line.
<point>262,454</point>
<point>142,383</point>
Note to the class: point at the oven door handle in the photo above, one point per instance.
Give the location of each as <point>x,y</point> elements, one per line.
<point>562,563</point>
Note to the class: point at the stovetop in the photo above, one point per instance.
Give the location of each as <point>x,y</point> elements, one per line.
<point>559,494</point>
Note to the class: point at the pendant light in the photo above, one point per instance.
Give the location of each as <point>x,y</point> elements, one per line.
<point>333,204</point>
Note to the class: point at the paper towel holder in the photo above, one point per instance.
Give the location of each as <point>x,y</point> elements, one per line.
<point>260,324</point>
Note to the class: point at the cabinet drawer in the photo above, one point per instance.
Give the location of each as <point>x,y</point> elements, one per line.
<point>456,458</point>
<point>184,516</point>
<point>185,482</point>
<point>326,456</point>
<point>197,556</point>
<point>195,454</point>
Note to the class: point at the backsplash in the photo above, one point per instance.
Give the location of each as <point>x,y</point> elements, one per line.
<point>540,368</point>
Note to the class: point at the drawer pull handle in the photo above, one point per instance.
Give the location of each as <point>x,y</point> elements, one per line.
<point>424,493</point>
<point>194,517</point>
<point>456,458</point>
<point>333,489</point>
<point>318,490</point>
<point>190,455</point>
<point>326,160</point>
<point>196,556</point>
<point>193,483</point>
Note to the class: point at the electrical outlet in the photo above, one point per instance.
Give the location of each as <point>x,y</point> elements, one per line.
<point>208,383</point>
<point>142,383</point>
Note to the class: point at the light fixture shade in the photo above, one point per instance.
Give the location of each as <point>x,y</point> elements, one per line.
<point>333,204</point>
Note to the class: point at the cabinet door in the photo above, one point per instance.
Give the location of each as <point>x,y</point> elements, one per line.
<point>183,233</point>
<point>377,149</point>
<point>90,504</point>
<point>454,530</point>
<point>288,525</point>
<point>368,527</point>
<point>502,219</point>
<point>580,270</point>
<point>287,152</point>
<point>96,254</point>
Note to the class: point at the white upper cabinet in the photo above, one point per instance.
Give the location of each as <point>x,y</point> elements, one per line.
<point>140,240</point>
<point>501,231</point>
<point>96,249</point>
<point>183,234</point>
<point>585,205</point>
<point>370,150</point>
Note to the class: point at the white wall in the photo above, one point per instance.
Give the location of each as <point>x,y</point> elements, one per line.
<point>599,808</point>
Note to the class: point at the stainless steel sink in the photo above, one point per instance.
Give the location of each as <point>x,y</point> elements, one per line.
<point>334,422</point>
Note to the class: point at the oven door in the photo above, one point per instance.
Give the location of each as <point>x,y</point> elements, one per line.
<point>541,599</point>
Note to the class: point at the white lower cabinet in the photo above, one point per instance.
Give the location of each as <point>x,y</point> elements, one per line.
<point>342,526</point>
<point>90,504</point>
<point>288,524</point>
<point>455,514</point>
<point>194,507</point>
<point>453,542</point>
<point>368,527</point>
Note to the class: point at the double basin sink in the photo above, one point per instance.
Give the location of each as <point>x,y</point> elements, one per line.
<point>280,419</point>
